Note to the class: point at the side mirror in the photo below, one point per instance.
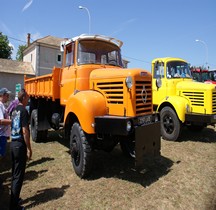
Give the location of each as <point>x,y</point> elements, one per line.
<point>158,82</point>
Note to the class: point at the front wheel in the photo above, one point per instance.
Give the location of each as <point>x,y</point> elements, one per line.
<point>170,124</point>
<point>81,151</point>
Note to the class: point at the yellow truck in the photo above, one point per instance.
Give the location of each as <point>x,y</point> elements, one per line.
<point>180,100</point>
<point>97,102</point>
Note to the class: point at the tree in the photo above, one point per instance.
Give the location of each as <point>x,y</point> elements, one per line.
<point>19,55</point>
<point>5,48</point>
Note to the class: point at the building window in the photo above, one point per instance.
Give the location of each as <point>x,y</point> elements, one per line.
<point>59,58</point>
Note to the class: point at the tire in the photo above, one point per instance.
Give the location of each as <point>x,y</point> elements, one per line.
<point>37,136</point>
<point>128,147</point>
<point>81,151</point>
<point>170,124</point>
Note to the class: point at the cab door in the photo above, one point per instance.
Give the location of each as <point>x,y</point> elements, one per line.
<point>68,79</point>
<point>159,82</point>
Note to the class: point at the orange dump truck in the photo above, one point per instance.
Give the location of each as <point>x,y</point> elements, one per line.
<point>97,102</point>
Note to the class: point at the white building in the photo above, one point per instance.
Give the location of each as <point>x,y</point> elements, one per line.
<point>44,54</point>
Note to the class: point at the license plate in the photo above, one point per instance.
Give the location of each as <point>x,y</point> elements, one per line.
<point>145,120</point>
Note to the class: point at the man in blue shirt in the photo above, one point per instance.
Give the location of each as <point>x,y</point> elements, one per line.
<point>20,147</point>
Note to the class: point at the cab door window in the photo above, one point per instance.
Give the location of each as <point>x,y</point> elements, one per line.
<point>159,70</point>
<point>70,54</point>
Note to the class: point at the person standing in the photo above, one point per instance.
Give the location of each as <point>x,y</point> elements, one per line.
<point>20,148</point>
<point>5,122</point>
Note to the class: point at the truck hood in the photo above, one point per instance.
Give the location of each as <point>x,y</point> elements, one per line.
<point>193,85</point>
<point>118,73</point>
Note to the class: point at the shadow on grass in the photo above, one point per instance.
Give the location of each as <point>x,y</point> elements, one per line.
<point>5,191</point>
<point>207,135</point>
<point>118,166</point>
<point>45,195</point>
<point>115,164</point>
<point>39,161</point>
<point>32,175</point>
<point>6,178</point>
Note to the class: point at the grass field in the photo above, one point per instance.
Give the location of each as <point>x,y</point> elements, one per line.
<point>184,177</point>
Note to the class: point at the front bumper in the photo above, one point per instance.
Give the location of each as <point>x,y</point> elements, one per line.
<point>145,131</point>
<point>201,118</point>
<point>115,125</point>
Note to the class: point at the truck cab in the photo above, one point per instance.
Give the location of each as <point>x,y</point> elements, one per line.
<point>180,100</point>
<point>82,55</point>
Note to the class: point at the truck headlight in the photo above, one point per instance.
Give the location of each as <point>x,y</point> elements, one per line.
<point>187,108</point>
<point>128,126</point>
<point>156,118</point>
<point>129,82</point>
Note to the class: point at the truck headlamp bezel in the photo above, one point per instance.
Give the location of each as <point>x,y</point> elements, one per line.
<point>187,108</point>
<point>129,82</point>
<point>128,126</point>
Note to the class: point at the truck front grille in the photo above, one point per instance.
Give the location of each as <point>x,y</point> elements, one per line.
<point>114,93</point>
<point>197,99</point>
<point>143,97</point>
<point>214,102</point>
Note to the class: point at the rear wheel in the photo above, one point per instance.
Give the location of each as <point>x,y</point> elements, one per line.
<point>170,124</point>
<point>37,135</point>
<point>81,151</point>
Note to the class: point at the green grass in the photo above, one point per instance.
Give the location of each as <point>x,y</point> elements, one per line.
<point>184,177</point>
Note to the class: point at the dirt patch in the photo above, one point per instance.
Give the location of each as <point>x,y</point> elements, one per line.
<point>184,177</point>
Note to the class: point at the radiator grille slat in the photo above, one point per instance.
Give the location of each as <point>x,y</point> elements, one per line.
<point>214,102</point>
<point>113,91</point>
<point>196,98</point>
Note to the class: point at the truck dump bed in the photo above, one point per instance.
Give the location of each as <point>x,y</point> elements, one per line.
<point>47,86</point>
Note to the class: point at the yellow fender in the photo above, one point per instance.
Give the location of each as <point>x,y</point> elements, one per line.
<point>86,105</point>
<point>178,103</point>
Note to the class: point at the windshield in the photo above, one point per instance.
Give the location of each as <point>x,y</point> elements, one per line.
<point>99,52</point>
<point>212,75</point>
<point>178,69</point>
<point>205,76</point>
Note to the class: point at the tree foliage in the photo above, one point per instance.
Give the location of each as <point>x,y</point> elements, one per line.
<point>19,55</point>
<point>5,48</point>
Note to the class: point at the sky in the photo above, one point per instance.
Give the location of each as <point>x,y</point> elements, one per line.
<point>148,28</point>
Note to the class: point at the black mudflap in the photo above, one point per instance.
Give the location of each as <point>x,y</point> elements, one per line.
<point>147,142</point>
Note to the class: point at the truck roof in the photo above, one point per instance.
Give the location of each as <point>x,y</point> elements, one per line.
<point>166,59</point>
<point>95,37</point>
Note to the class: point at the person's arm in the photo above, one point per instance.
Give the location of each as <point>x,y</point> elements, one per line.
<point>5,122</point>
<point>26,135</point>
